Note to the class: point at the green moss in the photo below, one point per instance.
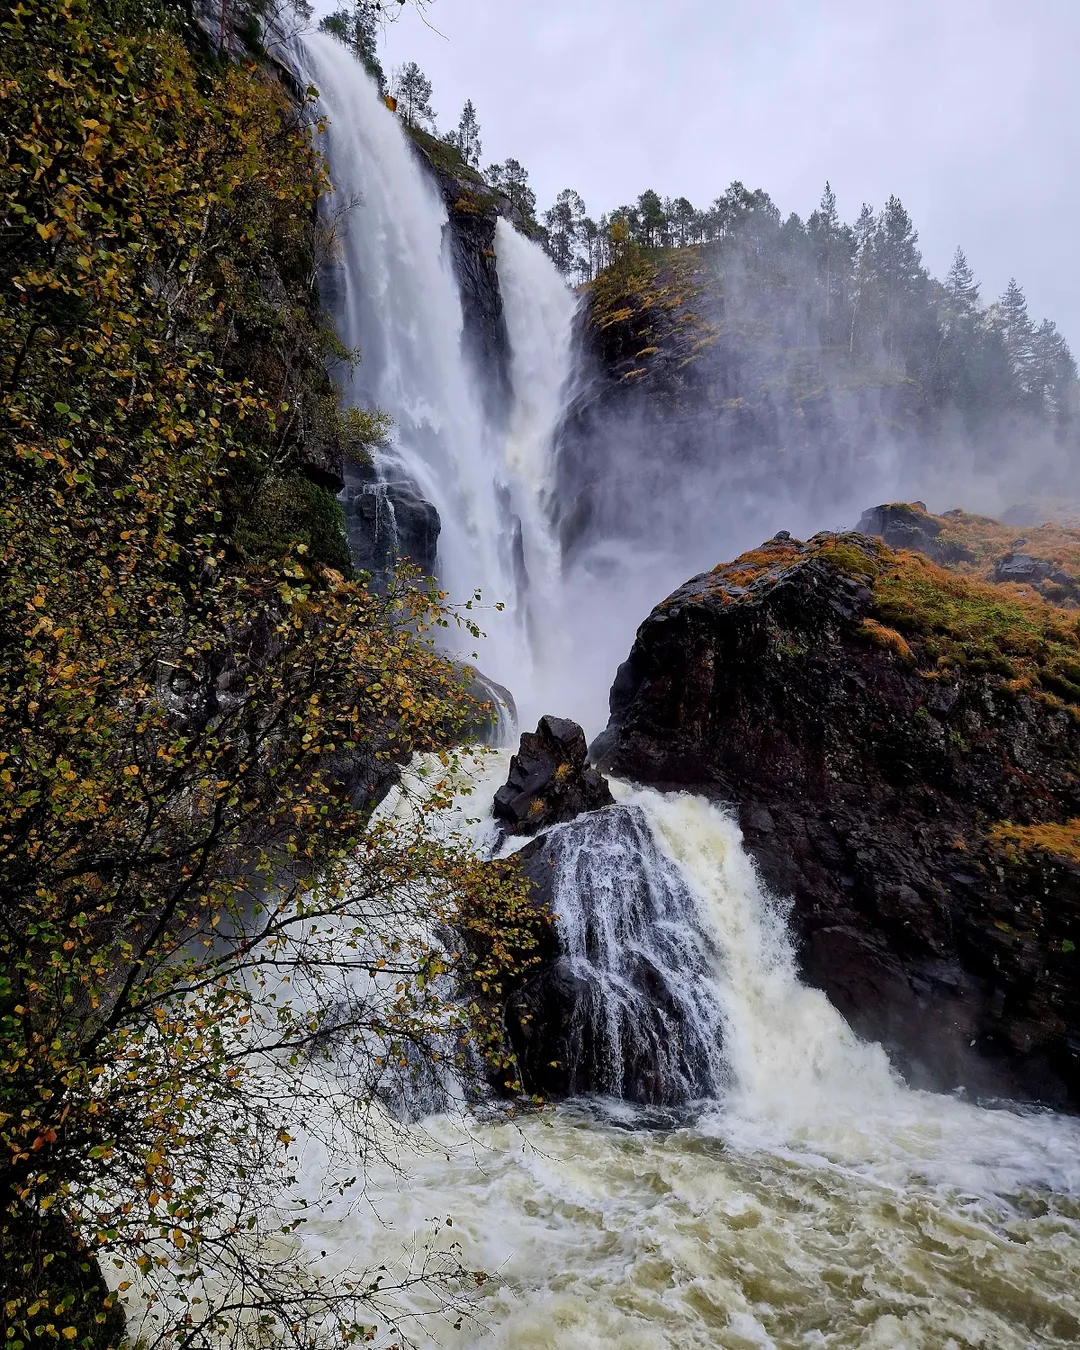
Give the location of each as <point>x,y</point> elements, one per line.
<point>291,511</point>
<point>960,624</point>
<point>445,156</point>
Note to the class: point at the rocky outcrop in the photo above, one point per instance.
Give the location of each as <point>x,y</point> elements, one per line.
<point>387,521</point>
<point>550,779</point>
<point>1046,558</point>
<point>910,526</point>
<point>473,210</point>
<point>904,750</point>
<point>701,403</point>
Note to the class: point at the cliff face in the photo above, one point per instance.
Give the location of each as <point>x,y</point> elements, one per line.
<point>903,746</point>
<point>702,396</point>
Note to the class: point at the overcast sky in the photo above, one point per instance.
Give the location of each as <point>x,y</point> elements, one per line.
<point>969,110</point>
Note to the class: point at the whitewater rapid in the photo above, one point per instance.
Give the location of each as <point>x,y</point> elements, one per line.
<point>807,1198</point>
<point>814,1202</point>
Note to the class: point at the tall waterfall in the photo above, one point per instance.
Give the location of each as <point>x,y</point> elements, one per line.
<point>397,300</point>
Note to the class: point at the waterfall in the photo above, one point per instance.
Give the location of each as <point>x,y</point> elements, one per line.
<point>397,300</point>
<point>809,1198</point>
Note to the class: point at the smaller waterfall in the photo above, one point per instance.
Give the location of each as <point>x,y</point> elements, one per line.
<point>679,980</point>
<point>631,1009</point>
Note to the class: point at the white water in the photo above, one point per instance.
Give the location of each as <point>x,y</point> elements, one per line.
<point>397,300</point>
<point>816,1203</point>
<point>813,1200</point>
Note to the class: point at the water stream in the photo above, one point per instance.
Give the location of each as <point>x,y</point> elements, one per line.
<point>802,1196</point>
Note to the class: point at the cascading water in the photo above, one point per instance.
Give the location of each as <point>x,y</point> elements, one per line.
<point>397,300</point>
<point>812,1200</point>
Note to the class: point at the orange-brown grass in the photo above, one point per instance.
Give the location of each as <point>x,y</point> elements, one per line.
<point>1062,841</point>
<point>988,539</point>
<point>963,624</point>
<point>889,640</point>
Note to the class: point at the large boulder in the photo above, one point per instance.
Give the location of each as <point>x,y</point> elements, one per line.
<point>550,779</point>
<point>904,748</point>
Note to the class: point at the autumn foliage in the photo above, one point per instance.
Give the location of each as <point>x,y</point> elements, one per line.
<point>201,921</point>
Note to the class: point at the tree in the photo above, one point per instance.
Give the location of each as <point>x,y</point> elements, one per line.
<point>512,180</point>
<point>358,29</point>
<point>199,911</point>
<point>1017,331</point>
<point>467,137</point>
<point>564,225</point>
<point>1053,372</point>
<point>899,273</point>
<point>412,89</point>
<point>683,217</point>
<point>825,233</point>
<point>962,288</point>
<point>651,219</point>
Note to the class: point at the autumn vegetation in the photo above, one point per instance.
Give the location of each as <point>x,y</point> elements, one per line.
<point>203,919</point>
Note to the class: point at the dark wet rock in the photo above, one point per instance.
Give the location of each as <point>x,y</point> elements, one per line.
<point>550,779</point>
<point>909,525</point>
<point>388,520</point>
<point>1039,573</point>
<point>869,783</point>
<point>473,210</point>
<point>624,1005</point>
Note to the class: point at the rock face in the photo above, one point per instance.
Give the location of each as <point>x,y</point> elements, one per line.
<point>700,405</point>
<point>385,521</point>
<point>625,1007</point>
<point>550,779</point>
<point>912,797</point>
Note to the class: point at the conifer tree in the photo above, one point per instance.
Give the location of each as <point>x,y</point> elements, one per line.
<point>467,137</point>
<point>412,89</point>
<point>961,286</point>
<point>824,228</point>
<point>652,220</point>
<point>512,179</point>
<point>564,222</point>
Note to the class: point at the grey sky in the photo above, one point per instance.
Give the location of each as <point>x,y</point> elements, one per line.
<point>969,110</point>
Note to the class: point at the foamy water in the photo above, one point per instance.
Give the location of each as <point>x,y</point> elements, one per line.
<point>819,1203</point>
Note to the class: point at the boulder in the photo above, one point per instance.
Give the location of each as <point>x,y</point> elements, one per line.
<point>909,525</point>
<point>911,791</point>
<point>550,779</point>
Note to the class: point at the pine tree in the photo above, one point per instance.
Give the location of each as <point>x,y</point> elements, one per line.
<point>652,219</point>
<point>358,29</point>
<point>412,89</point>
<point>512,179</point>
<point>684,219</point>
<point>564,222</point>
<point>467,137</point>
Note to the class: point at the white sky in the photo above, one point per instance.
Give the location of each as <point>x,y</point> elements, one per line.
<point>969,110</point>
